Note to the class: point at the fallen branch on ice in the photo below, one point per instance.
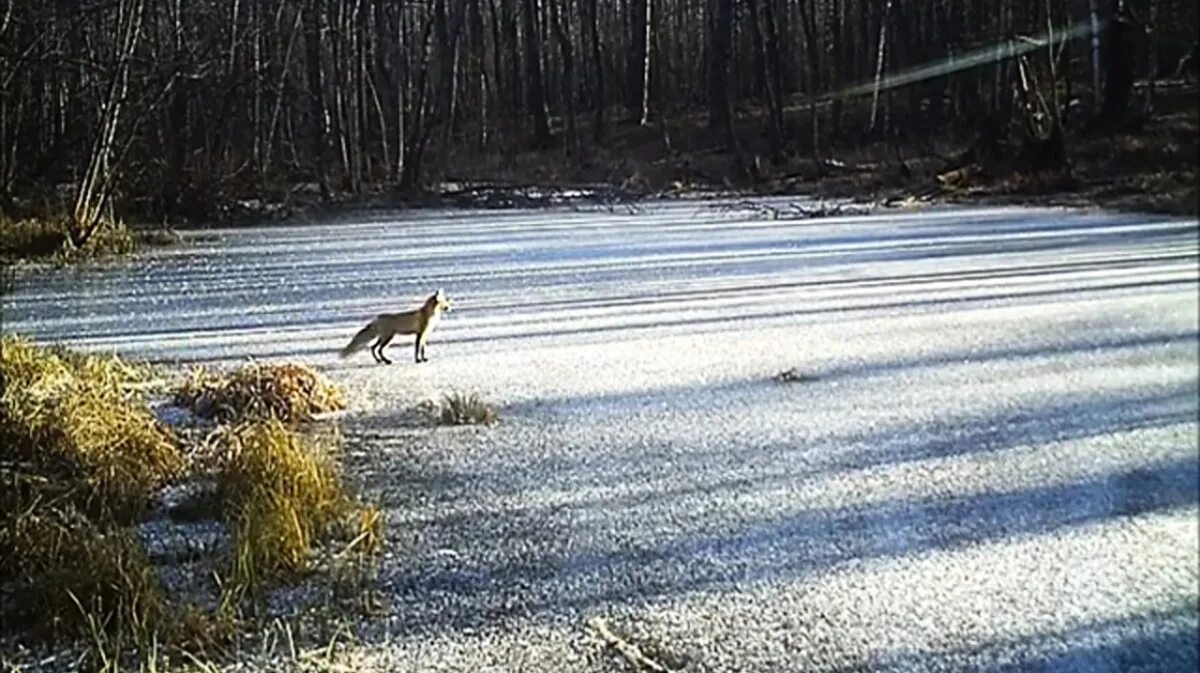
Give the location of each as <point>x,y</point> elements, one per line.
<point>627,649</point>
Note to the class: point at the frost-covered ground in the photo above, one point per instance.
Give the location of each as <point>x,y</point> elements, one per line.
<point>992,464</point>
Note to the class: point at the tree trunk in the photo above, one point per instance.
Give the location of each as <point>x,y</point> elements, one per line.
<point>882,50</point>
<point>720,109</point>
<point>96,186</point>
<point>536,90</point>
<point>813,72</point>
<point>649,31</point>
<point>446,31</point>
<point>1152,56</point>
<point>720,113</point>
<point>568,59</point>
<point>419,129</point>
<point>837,19</point>
<point>479,62</point>
<point>635,79</point>
<point>316,99</point>
<point>660,85</point>
<point>769,77</point>
<point>1097,91</point>
<point>1118,67</point>
<point>598,58</point>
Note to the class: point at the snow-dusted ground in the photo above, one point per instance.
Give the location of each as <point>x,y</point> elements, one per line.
<point>993,464</point>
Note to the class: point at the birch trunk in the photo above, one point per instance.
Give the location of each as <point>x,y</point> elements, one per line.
<point>96,186</point>
<point>887,10</point>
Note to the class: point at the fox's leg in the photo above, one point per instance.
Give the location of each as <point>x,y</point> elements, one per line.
<point>383,342</point>
<point>419,349</point>
<point>373,353</point>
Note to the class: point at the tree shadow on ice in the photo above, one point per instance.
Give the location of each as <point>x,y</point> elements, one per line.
<point>713,325</point>
<point>529,562</point>
<point>1156,641</point>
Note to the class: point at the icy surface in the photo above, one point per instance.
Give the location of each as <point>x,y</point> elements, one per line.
<point>990,464</point>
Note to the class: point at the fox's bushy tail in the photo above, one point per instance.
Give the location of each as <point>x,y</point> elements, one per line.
<point>360,340</point>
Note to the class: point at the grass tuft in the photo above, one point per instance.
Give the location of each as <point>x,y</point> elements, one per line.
<point>288,392</point>
<point>282,493</point>
<point>202,632</point>
<point>157,238</point>
<point>461,409</point>
<point>78,577</point>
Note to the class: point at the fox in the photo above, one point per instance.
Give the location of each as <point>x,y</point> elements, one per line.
<point>387,325</point>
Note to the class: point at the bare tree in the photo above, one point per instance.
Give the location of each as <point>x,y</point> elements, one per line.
<point>720,113</point>
<point>95,188</point>
<point>173,107</point>
<point>533,74</point>
<point>568,61</point>
<point>600,94</point>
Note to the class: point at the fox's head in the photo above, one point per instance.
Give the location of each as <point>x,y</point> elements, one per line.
<point>439,302</point>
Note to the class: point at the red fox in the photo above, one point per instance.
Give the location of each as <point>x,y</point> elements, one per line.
<point>387,325</point>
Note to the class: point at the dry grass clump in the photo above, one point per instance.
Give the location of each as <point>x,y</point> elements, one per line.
<point>48,238</point>
<point>288,392</point>
<point>203,633</point>
<point>282,493</point>
<point>80,457</point>
<point>460,409</point>
<point>72,429</point>
<point>75,576</point>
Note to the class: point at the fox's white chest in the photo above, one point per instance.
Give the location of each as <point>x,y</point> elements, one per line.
<point>433,321</point>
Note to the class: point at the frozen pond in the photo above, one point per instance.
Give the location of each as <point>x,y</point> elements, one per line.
<point>298,292</point>
<point>991,465</point>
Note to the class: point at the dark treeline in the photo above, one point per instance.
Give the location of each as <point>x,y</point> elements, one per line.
<point>168,106</point>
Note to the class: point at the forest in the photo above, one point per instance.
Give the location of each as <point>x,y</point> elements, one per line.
<point>177,109</point>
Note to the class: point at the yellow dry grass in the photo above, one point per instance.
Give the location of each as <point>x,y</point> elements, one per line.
<point>80,456</point>
<point>77,576</point>
<point>73,428</point>
<point>288,392</point>
<point>282,493</point>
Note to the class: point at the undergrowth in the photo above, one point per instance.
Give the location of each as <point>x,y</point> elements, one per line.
<point>81,458</point>
<point>83,461</point>
<point>48,239</point>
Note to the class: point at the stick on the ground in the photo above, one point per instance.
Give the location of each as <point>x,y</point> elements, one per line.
<point>626,648</point>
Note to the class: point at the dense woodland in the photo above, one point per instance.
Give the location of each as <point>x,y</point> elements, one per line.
<point>168,107</point>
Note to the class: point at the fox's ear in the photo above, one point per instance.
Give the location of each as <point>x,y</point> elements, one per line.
<point>440,294</point>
